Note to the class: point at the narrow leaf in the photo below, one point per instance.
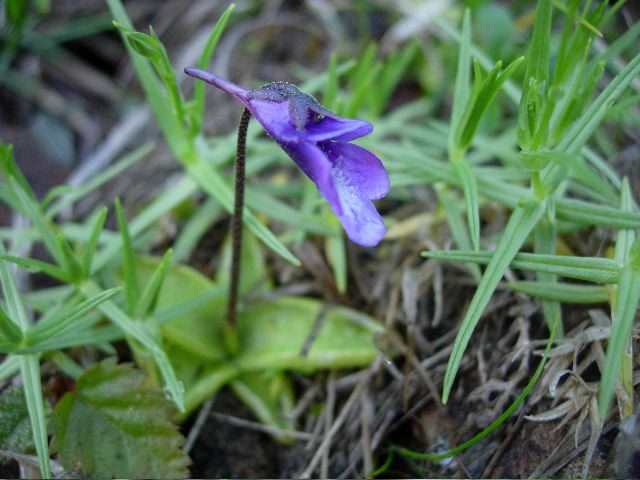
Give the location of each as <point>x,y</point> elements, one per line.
<point>147,302</point>
<point>598,270</point>
<point>63,320</point>
<point>203,63</point>
<point>40,266</point>
<point>626,307</point>
<point>522,221</point>
<point>30,369</point>
<point>462,91</point>
<point>92,242</point>
<point>128,263</point>
<point>470,190</point>
<point>563,292</point>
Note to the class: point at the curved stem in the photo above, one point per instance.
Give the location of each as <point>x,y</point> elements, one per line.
<point>236,221</point>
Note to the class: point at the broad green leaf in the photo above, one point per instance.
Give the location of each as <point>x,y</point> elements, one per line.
<point>197,330</point>
<point>194,229</point>
<point>563,292</point>
<point>15,429</point>
<point>273,335</point>
<point>254,275</point>
<point>270,397</point>
<point>522,221</point>
<point>111,426</point>
<point>205,383</point>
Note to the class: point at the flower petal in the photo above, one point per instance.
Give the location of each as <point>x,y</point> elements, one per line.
<point>359,168</point>
<point>315,164</point>
<point>336,128</point>
<point>274,117</point>
<point>231,88</point>
<point>359,216</point>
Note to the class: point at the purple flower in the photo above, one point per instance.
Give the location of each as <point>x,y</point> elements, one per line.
<point>348,176</point>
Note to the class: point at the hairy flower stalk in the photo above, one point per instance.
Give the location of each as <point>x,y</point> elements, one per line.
<point>349,177</point>
<point>236,221</point>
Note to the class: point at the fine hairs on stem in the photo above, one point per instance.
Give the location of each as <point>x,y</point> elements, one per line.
<point>236,221</point>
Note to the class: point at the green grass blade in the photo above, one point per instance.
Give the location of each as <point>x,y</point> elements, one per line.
<point>100,337</point>
<point>158,208</point>
<point>138,332</point>
<point>128,262</point>
<point>13,298</point>
<point>9,330</point>
<point>48,329</point>
<point>536,74</point>
<point>462,90</point>
<point>522,221</point>
<point>146,303</point>
<point>43,226</point>
<point>203,63</point>
<point>544,243</point>
<point>212,182</point>
<point>101,178</point>
<point>40,266</point>
<point>92,242</point>
<point>9,367</point>
<point>158,100</point>
<point>495,424</point>
<point>598,270</point>
<point>625,236</point>
<point>70,261</point>
<point>337,256</point>
<point>453,214</point>
<point>586,213</point>
<point>470,190</point>
<point>30,369</point>
<point>626,306</point>
<point>563,292</point>
<point>194,229</point>
<point>582,129</point>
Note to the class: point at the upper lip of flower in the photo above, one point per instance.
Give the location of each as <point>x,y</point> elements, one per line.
<point>348,176</point>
